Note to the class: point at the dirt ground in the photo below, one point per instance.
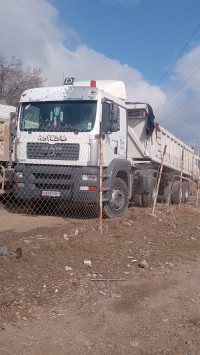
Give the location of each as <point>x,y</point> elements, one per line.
<point>53,303</point>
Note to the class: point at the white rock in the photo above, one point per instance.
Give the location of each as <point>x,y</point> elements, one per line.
<point>87,262</point>
<point>68,268</point>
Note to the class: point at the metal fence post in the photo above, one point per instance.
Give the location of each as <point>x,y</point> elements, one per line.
<point>198,185</point>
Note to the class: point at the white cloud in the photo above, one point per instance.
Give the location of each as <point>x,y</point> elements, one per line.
<point>29,28</point>
<point>31,32</point>
<point>180,112</point>
<point>189,67</point>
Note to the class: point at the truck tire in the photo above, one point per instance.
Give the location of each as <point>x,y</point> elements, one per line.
<point>137,200</point>
<point>119,201</point>
<point>167,193</point>
<point>175,192</point>
<point>185,191</point>
<point>148,198</point>
<point>176,189</point>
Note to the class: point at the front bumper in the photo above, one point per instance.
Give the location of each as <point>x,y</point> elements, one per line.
<point>56,182</point>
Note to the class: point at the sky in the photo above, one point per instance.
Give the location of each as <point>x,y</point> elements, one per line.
<point>151,45</point>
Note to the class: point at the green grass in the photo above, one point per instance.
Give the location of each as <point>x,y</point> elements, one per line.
<point>175,250</point>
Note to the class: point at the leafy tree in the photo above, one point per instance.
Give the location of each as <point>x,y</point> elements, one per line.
<point>15,78</point>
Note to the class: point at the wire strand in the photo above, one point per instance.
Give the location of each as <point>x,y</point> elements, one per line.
<point>173,112</point>
<point>178,89</point>
<point>173,63</point>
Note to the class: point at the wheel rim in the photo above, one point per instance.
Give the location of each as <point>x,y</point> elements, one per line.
<point>117,200</point>
<point>153,195</point>
<point>186,194</point>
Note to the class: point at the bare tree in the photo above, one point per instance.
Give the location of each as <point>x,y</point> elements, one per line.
<point>15,78</point>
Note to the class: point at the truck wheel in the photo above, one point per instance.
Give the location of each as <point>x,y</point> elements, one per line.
<point>148,198</point>
<point>176,189</point>
<point>185,191</point>
<point>137,200</point>
<point>167,193</point>
<point>119,201</point>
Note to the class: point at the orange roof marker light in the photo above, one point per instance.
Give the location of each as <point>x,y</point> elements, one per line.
<point>93,83</point>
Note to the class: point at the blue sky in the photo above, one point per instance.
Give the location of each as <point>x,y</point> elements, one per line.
<point>131,40</point>
<point>145,34</point>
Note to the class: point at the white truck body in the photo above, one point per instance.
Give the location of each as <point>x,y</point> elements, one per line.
<point>141,147</point>
<point>59,134</point>
<point>6,152</point>
<point>5,111</point>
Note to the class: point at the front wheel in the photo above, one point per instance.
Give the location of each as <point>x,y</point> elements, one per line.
<point>119,200</point>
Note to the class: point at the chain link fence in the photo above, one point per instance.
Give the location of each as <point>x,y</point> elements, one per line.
<point>41,183</point>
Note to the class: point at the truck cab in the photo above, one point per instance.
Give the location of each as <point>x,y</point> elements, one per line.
<point>58,140</point>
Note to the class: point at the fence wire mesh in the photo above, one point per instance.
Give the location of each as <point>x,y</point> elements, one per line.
<point>46,186</point>
<point>63,171</point>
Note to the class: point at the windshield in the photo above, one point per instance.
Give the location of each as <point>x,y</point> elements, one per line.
<point>58,116</point>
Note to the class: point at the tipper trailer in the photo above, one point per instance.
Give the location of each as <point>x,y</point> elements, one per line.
<point>67,135</point>
<point>7,138</point>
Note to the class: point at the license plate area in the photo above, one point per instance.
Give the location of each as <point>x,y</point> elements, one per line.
<point>49,193</point>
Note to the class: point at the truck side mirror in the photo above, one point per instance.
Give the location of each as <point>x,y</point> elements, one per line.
<point>110,117</point>
<point>114,118</point>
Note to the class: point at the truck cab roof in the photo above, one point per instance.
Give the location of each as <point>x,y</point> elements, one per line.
<point>77,90</point>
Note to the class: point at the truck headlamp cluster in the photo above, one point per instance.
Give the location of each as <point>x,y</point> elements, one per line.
<point>19,175</point>
<point>89,177</point>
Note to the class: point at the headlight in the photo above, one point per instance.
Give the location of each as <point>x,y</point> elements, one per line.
<point>19,175</point>
<point>89,177</point>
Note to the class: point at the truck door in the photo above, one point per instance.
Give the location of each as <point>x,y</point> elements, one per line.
<point>114,130</point>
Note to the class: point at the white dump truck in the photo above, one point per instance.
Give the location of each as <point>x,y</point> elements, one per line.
<point>70,136</point>
<point>7,138</point>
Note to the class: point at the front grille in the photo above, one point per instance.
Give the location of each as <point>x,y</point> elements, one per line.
<point>58,151</point>
<point>52,176</point>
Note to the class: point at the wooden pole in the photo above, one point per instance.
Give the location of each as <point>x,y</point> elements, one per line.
<point>181,179</point>
<point>159,178</point>
<point>198,183</point>
<point>197,198</point>
<point>100,180</point>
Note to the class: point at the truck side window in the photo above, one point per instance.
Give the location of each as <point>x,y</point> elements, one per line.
<point>106,117</point>
<point>31,117</point>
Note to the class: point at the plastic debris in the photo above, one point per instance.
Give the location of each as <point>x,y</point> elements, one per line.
<point>68,268</point>
<point>4,251</point>
<point>134,343</point>
<point>88,263</point>
<point>76,232</point>
<point>102,293</point>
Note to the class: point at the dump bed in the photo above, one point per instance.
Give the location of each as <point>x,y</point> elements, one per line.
<point>144,147</point>
<point>5,112</point>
